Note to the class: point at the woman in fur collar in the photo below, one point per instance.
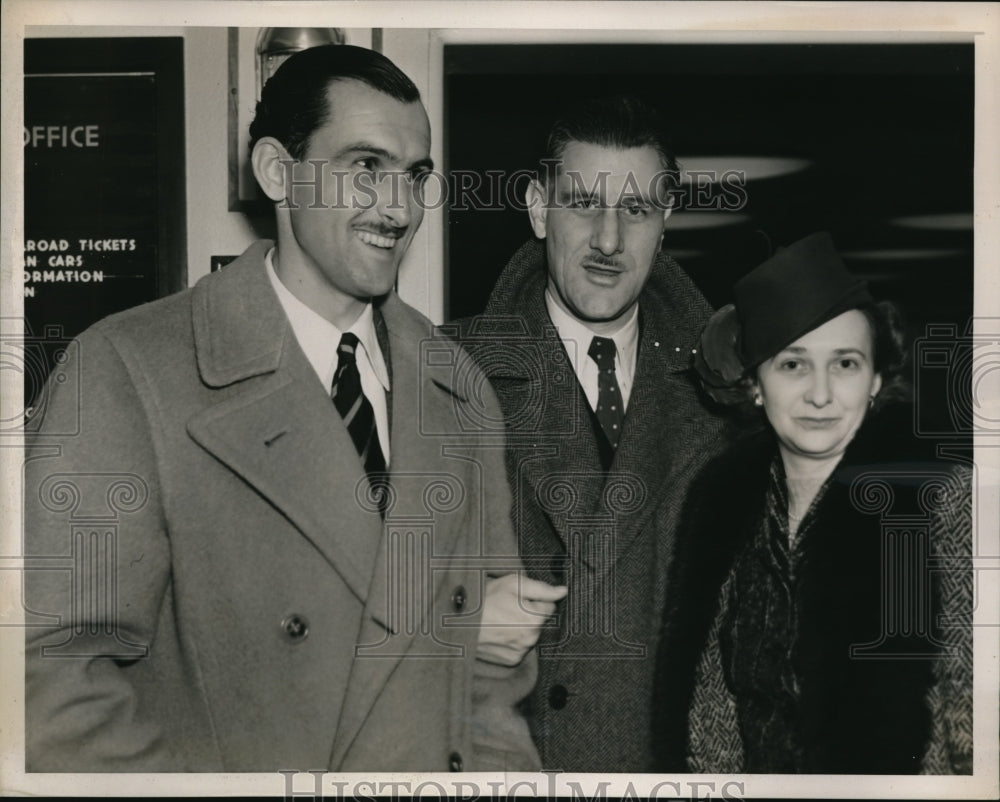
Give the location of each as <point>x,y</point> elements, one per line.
<point>819,609</point>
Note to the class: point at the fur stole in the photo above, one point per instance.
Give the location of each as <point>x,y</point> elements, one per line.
<point>864,665</point>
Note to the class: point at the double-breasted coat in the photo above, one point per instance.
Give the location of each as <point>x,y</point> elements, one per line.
<point>216,592</point>
<point>608,535</point>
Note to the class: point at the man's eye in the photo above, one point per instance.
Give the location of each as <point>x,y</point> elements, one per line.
<point>369,163</point>
<point>636,209</point>
<point>583,203</point>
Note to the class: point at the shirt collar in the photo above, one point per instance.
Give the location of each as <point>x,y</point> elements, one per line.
<point>577,336</point>
<point>318,337</point>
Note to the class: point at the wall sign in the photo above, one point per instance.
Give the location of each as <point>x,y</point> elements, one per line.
<point>104,212</point>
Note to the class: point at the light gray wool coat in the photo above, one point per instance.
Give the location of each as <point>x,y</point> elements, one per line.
<point>258,616</point>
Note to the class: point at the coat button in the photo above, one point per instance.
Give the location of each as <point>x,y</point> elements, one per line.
<point>295,627</point>
<point>558,695</point>
<point>458,599</point>
<point>455,762</point>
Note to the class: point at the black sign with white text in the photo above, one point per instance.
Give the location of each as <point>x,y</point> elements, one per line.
<point>103,184</point>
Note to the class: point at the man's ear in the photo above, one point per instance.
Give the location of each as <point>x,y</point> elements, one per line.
<point>667,211</point>
<point>269,160</point>
<point>535,198</point>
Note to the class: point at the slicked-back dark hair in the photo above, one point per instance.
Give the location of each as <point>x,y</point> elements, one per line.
<point>619,122</point>
<point>294,103</point>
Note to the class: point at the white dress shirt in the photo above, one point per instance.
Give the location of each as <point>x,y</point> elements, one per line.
<point>576,338</point>
<point>318,338</point>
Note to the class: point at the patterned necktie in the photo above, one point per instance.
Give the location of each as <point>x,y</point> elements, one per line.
<point>610,411</point>
<point>356,410</point>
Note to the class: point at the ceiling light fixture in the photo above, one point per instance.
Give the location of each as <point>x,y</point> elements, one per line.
<point>706,169</point>
<point>903,254</point>
<point>683,220</point>
<point>953,221</point>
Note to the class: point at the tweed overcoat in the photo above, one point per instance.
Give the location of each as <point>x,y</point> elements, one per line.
<point>215,592</point>
<point>881,599</point>
<point>608,535</point>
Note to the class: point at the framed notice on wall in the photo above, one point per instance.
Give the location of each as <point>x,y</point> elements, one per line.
<point>253,54</point>
<point>104,211</point>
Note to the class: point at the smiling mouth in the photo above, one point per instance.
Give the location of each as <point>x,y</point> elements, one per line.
<point>377,240</point>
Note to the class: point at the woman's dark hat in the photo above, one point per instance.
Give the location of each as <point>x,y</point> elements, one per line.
<point>798,289</point>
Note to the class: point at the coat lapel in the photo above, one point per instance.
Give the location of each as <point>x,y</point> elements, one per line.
<point>422,399</point>
<point>561,465</point>
<point>560,454</point>
<point>656,425</point>
<point>274,425</point>
<point>550,434</point>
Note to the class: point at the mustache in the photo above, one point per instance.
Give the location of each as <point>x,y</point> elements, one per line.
<point>600,260</point>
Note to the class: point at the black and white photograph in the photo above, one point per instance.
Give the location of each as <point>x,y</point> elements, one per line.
<point>500,399</point>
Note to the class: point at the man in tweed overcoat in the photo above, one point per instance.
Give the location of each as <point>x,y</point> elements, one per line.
<point>596,496</point>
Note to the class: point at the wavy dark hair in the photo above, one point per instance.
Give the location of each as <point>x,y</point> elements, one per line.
<point>889,338</point>
<point>621,122</point>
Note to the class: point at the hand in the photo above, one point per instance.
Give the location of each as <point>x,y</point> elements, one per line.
<point>514,609</point>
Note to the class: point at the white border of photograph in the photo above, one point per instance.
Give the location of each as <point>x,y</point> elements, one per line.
<point>422,285</point>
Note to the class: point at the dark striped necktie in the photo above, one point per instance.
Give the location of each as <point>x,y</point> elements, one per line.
<point>356,410</point>
<point>610,411</point>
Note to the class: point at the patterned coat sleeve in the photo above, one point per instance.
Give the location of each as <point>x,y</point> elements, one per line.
<point>950,696</point>
<point>714,742</point>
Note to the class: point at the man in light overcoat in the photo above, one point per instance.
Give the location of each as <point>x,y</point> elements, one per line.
<point>261,525</point>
